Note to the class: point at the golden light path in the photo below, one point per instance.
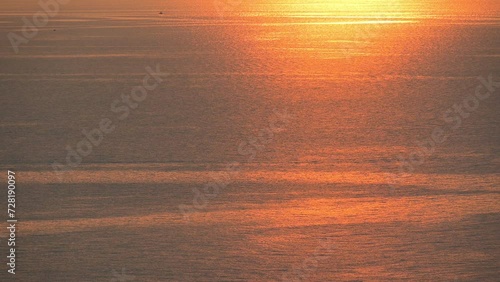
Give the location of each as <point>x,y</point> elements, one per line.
<point>361,22</point>
<point>357,7</point>
<point>324,8</point>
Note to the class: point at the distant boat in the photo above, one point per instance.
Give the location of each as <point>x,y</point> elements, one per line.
<point>161,13</point>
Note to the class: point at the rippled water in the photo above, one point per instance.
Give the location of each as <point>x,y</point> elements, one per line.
<point>323,196</point>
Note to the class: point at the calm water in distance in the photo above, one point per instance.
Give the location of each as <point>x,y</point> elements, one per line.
<point>360,89</point>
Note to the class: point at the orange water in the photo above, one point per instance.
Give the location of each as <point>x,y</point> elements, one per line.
<point>362,83</point>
